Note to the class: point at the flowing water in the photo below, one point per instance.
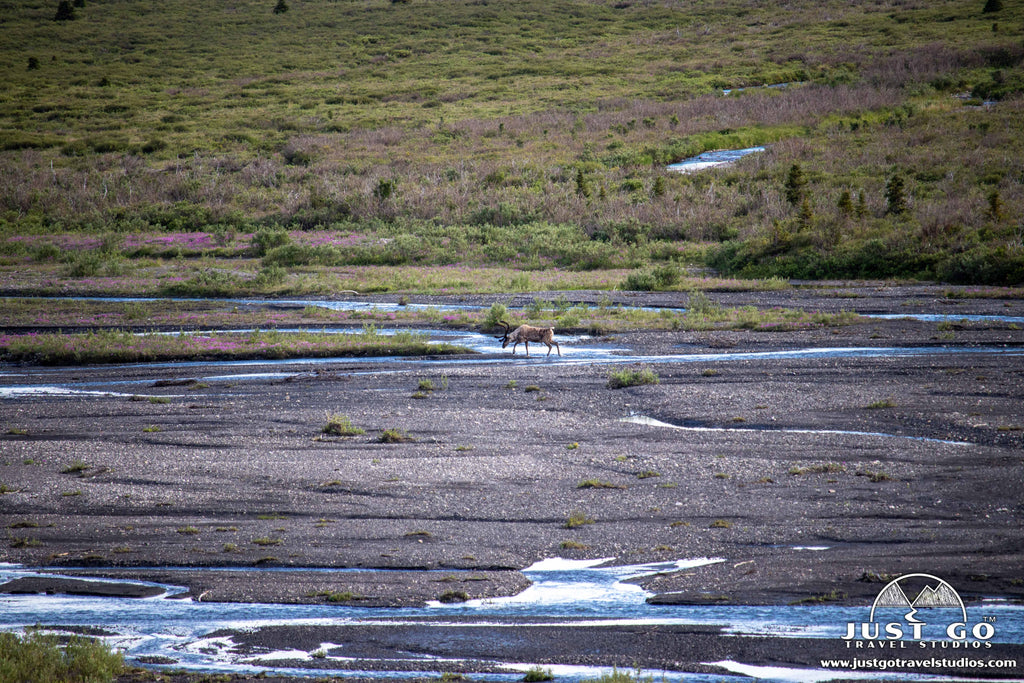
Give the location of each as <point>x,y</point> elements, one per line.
<point>196,635</point>
<point>708,160</point>
<point>182,633</point>
<point>576,350</point>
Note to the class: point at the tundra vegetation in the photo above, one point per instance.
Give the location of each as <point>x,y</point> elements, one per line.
<point>190,148</point>
<point>114,346</point>
<point>36,657</point>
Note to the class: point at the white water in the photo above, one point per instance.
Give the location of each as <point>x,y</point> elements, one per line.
<point>579,594</point>
<point>722,157</point>
<point>650,421</point>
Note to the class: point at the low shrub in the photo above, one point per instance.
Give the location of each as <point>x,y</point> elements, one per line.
<point>538,675</point>
<point>626,377</point>
<point>38,658</point>
<point>494,315</point>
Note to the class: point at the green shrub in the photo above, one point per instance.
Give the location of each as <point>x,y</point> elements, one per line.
<point>495,315</point>
<point>538,675</point>
<point>270,275</point>
<point>266,239</point>
<point>667,276</point>
<point>38,658</point>
<point>385,188</point>
<point>700,304</point>
<point>626,377</point>
<point>206,283</point>
<point>640,282</point>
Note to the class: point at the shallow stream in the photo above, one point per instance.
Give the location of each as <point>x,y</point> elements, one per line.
<point>707,160</point>
<point>183,633</point>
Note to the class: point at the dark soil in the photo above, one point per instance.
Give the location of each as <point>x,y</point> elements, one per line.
<point>237,473</point>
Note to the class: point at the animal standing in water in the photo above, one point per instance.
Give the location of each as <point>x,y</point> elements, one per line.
<point>527,334</point>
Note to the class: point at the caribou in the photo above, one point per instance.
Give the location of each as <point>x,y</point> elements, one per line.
<point>527,334</point>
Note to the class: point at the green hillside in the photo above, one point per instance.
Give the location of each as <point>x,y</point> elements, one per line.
<point>529,134</point>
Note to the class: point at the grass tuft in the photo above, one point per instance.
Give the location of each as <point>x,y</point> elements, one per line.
<point>883,403</point>
<point>77,467</point>
<point>626,377</point>
<point>573,545</point>
<point>336,596</point>
<point>598,484</point>
<point>826,468</point>
<point>340,425</point>
<point>577,519</point>
<point>267,541</point>
<point>395,436</point>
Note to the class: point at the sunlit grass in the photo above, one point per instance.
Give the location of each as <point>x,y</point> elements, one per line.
<point>118,346</point>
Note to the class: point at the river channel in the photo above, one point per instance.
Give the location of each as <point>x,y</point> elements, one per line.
<point>198,636</point>
<point>594,601</point>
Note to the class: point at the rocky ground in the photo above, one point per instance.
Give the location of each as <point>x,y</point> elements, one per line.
<point>490,466</point>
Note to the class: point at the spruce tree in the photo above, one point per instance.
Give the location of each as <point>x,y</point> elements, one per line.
<point>895,198</point>
<point>281,7</point>
<point>795,182</point>
<point>806,214</point>
<point>65,12</point>
<point>582,186</point>
<point>845,204</point>
<point>995,206</point>
<point>659,187</point>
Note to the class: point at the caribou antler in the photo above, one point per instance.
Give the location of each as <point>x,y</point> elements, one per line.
<point>504,336</point>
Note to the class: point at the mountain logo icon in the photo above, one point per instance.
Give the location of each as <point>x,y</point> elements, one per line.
<point>936,592</point>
